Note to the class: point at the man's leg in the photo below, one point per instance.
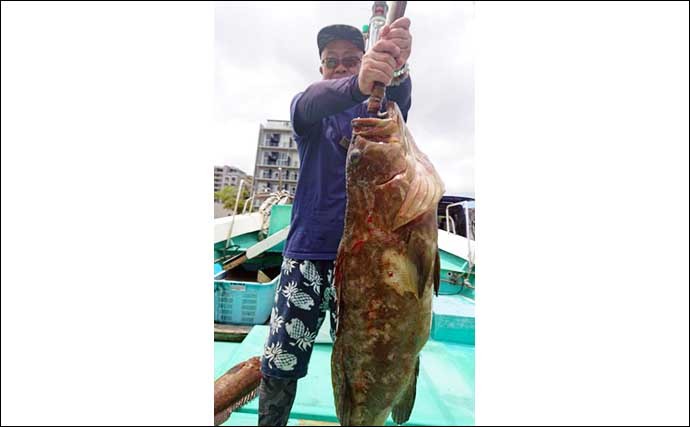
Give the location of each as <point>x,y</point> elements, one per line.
<point>296,315</point>
<point>276,396</point>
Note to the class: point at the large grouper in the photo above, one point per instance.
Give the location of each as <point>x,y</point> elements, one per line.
<point>387,268</point>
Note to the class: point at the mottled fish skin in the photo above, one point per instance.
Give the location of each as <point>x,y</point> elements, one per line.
<point>235,388</point>
<point>387,268</point>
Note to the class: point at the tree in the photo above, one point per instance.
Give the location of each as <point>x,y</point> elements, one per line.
<point>228,194</point>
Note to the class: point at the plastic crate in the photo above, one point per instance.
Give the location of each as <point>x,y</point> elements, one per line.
<point>453,319</point>
<point>239,302</point>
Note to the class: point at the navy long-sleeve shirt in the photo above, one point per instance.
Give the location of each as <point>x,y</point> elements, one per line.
<point>321,117</point>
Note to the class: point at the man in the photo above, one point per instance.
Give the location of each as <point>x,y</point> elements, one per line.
<point>321,119</point>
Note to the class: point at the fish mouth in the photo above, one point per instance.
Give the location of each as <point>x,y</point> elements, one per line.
<point>379,130</point>
<point>385,139</point>
<point>375,130</point>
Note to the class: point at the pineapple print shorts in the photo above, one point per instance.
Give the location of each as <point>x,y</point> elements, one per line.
<point>302,299</point>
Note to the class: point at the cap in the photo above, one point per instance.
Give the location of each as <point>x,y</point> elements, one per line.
<point>339,32</point>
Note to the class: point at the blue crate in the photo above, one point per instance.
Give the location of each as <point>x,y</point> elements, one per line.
<point>453,319</point>
<point>244,303</point>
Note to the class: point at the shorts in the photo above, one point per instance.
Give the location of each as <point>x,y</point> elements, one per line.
<point>304,295</point>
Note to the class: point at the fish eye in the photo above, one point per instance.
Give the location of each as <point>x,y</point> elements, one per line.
<point>355,155</point>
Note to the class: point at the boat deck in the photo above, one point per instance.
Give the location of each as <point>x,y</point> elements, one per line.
<point>445,388</point>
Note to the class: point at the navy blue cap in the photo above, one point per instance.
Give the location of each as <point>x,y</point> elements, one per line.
<point>339,32</point>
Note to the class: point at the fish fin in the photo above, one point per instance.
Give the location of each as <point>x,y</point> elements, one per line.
<point>221,416</point>
<point>437,274</point>
<point>403,409</point>
<point>415,202</point>
<point>338,284</point>
<point>246,399</point>
<point>424,191</point>
<point>422,259</point>
<point>343,403</point>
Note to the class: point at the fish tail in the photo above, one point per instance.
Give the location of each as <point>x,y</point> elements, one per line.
<point>403,409</point>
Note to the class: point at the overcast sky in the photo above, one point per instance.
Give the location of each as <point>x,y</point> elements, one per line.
<point>265,53</point>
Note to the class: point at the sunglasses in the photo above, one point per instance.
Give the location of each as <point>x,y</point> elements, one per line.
<point>349,62</point>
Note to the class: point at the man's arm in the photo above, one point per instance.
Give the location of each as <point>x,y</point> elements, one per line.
<point>401,95</point>
<point>325,98</point>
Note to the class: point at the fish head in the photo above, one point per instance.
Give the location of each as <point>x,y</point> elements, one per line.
<point>379,150</point>
<point>387,175</point>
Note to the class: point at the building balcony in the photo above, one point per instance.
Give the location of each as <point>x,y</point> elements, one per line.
<point>277,165</point>
<point>276,179</point>
<point>278,147</point>
<point>279,125</point>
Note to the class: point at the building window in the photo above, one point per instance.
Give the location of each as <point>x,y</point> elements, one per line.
<point>271,158</point>
<point>284,159</point>
<point>272,140</point>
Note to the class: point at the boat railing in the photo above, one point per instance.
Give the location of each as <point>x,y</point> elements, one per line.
<point>469,233</point>
<point>249,202</point>
<point>449,219</point>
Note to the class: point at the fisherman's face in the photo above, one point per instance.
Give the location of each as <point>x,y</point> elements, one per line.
<point>344,58</point>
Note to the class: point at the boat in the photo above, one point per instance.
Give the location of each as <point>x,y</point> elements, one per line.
<point>247,259</point>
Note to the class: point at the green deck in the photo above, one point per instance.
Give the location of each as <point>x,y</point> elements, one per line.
<point>223,353</point>
<point>445,389</point>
